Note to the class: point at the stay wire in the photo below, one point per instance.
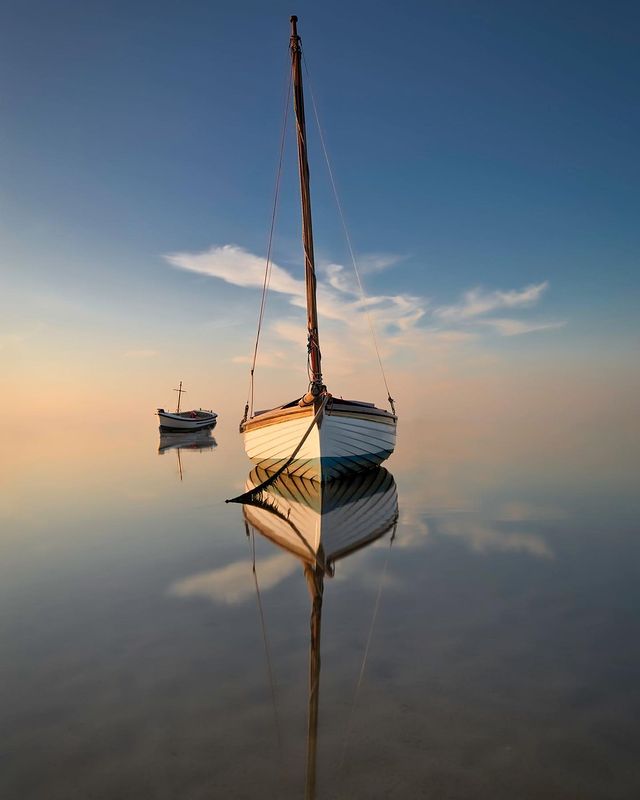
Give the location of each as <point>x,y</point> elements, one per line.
<point>272,683</point>
<point>248,411</point>
<point>347,236</point>
<point>366,652</point>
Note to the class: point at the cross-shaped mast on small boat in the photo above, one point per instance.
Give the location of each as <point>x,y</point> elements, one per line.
<point>180,391</point>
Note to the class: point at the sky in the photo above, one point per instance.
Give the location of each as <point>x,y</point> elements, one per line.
<point>486,160</point>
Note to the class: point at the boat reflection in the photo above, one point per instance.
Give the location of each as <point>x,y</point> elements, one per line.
<point>319,524</point>
<point>199,440</point>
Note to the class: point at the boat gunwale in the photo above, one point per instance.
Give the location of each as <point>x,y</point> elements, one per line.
<point>381,416</point>
<point>274,415</point>
<point>335,407</point>
<point>356,408</point>
<point>200,415</point>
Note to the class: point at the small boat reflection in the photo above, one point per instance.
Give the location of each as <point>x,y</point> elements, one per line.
<point>190,440</point>
<point>199,441</point>
<point>319,524</point>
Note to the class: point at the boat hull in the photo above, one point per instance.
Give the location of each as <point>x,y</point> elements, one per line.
<point>183,422</point>
<point>346,438</point>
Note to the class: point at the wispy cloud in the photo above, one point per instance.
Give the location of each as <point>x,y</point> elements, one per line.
<point>405,322</point>
<point>237,266</point>
<point>477,302</point>
<point>338,296</point>
<point>377,262</point>
<point>516,327</point>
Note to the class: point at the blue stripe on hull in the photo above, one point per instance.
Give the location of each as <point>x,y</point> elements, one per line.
<point>328,468</point>
<point>338,466</point>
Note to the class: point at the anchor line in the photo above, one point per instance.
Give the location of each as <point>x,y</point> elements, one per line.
<point>246,496</point>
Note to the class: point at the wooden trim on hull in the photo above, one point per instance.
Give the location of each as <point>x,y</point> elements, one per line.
<point>327,468</point>
<point>170,429</point>
<point>276,416</point>
<point>382,419</point>
<point>335,407</point>
<point>349,437</point>
<point>353,408</point>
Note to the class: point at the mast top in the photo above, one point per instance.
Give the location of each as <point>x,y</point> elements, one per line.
<point>295,39</point>
<point>180,391</point>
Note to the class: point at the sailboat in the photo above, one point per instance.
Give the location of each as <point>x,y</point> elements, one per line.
<point>320,525</point>
<point>317,436</point>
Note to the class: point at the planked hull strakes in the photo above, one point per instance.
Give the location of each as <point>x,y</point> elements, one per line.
<point>346,438</point>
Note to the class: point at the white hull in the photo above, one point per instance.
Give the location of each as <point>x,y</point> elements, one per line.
<point>346,438</point>
<point>185,422</point>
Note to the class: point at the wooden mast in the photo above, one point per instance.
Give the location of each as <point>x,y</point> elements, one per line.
<point>180,391</point>
<point>317,385</point>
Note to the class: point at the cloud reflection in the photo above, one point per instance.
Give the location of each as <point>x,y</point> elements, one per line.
<point>483,537</point>
<point>233,584</point>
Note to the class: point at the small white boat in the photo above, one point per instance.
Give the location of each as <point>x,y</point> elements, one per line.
<point>317,436</point>
<point>185,420</point>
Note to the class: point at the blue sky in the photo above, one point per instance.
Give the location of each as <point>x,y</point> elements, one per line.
<point>478,147</point>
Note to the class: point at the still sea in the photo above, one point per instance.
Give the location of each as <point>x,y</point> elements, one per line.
<point>482,643</point>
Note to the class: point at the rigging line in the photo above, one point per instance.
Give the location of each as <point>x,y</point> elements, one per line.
<point>272,683</point>
<point>268,264</point>
<point>366,650</point>
<point>347,236</point>
<point>241,498</point>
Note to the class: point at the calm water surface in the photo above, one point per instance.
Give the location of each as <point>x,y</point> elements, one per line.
<point>487,645</point>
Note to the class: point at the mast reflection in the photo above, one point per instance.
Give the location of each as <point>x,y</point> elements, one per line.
<point>199,441</point>
<point>319,524</point>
